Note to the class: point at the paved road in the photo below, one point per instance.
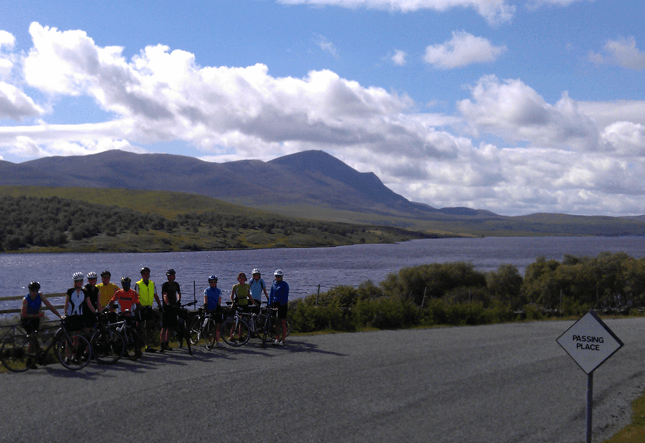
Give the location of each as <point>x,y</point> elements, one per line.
<point>501,383</point>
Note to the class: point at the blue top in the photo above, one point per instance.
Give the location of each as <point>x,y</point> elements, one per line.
<point>33,305</point>
<point>256,288</point>
<point>213,295</point>
<point>279,293</point>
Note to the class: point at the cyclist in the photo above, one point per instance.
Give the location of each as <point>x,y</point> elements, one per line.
<point>241,293</point>
<point>213,304</point>
<point>92,293</point>
<point>147,294</point>
<point>279,298</point>
<point>106,289</point>
<point>171,294</point>
<point>76,302</point>
<point>257,286</point>
<point>31,314</point>
<point>128,299</point>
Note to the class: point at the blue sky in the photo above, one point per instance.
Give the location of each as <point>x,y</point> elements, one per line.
<point>512,106</point>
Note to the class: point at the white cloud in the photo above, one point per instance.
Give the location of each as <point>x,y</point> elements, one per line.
<point>15,104</point>
<point>7,42</point>
<point>399,57</point>
<point>461,50</point>
<point>326,46</point>
<point>533,4</point>
<point>622,52</point>
<point>576,157</point>
<point>494,11</point>
<point>516,112</point>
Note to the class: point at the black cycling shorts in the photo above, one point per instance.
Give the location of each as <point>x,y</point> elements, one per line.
<point>169,318</point>
<point>30,324</point>
<point>146,313</point>
<point>282,310</point>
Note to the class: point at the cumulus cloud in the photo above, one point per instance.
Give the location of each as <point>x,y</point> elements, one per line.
<point>7,42</point>
<point>244,112</point>
<point>622,52</point>
<point>399,57</point>
<point>494,11</point>
<point>461,50</point>
<point>15,104</point>
<point>516,112</point>
<point>533,4</point>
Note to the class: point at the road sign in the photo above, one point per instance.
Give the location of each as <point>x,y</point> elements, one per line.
<point>589,342</point>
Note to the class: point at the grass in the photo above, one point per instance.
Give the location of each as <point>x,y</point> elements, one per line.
<point>635,431</point>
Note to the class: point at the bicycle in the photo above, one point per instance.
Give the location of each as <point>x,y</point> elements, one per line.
<point>203,325</point>
<point>133,342</point>
<point>21,351</point>
<point>182,332</point>
<point>235,330</point>
<point>108,344</point>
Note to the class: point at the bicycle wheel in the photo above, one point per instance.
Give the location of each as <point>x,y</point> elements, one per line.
<point>209,334</point>
<point>74,352</point>
<point>267,328</point>
<point>186,332</point>
<point>133,344</point>
<point>235,331</point>
<point>108,345</point>
<point>196,330</point>
<point>15,352</point>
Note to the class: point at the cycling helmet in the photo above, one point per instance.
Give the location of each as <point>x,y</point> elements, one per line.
<point>170,272</point>
<point>255,271</point>
<point>106,273</point>
<point>278,272</point>
<point>78,276</point>
<point>126,281</point>
<point>91,275</point>
<point>34,286</point>
<point>212,278</point>
<point>145,269</point>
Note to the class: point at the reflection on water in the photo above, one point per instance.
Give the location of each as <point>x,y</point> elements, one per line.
<point>304,269</point>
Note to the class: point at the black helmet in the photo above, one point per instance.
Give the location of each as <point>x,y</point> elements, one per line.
<point>170,272</point>
<point>106,273</point>
<point>145,269</point>
<point>34,286</point>
<point>126,281</point>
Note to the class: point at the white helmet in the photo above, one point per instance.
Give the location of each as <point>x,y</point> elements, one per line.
<point>278,272</point>
<point>78,276</point>
<point>91,275</point>
<point>255,271</point>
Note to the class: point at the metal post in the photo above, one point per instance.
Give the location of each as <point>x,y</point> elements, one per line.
<point>589,404</point>
<point>194,295</point>
<point>317,295</point>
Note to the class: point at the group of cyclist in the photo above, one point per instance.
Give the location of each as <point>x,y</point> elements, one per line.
<point>83,303</point>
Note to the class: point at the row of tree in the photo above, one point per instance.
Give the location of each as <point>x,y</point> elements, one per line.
<point>607,281</point>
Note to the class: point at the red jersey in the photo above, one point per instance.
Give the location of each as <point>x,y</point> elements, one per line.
<point>125,299</point>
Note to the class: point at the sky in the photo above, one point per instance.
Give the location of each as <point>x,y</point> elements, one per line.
<point>515,107</point>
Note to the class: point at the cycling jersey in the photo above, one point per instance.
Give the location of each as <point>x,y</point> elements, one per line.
<point>212,295</point>
<point>76,299</point>
<point>105,293</point>
<point>242,293</point>
<point>126,299</point>
<point>256,288</point>
<point>279,293</point>
<point>33,304</point>
<point>171,289</point>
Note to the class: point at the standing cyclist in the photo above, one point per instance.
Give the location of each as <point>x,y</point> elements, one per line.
<point>171,300</point>
<point>279,298</point>
<point>31,314</point>
<point>92,293</point>
<point>147,294</point>
<point>106,289</point>
<point>257,286</point>
<point>213,305</point>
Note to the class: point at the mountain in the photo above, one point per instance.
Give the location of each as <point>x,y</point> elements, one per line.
<point>310,184</point>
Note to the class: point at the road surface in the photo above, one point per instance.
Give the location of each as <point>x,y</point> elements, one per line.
<point>498,383</point>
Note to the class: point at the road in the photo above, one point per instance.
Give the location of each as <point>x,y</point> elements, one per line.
<point>499,383</point>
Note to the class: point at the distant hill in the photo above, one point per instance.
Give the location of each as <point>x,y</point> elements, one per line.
<point>310,184</point>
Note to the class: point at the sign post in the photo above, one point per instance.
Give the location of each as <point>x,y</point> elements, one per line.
<point>590,343</point>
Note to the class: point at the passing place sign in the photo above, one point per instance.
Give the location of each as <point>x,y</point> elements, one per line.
<point>589,342</point>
